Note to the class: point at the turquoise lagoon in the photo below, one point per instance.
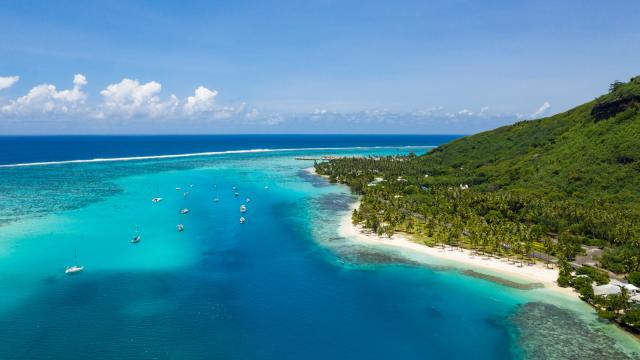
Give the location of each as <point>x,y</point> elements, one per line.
<point>283,285</point>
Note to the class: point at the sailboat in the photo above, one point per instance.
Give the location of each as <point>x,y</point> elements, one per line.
<point>156,199</point>
<point>242,220</point>
<point>184,211</point>
<point>75,268</point>
<point>136,237</point>
<point>180,227</point>
<point>243,208</point>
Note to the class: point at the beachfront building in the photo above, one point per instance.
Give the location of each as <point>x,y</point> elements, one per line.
<point>606,290</point>
<point>614,287</point>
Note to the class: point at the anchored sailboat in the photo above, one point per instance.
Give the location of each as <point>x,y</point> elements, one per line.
<point>75,268</point>
<point>136,237</point>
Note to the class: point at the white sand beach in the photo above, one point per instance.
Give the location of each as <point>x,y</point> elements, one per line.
<point>492,266</point>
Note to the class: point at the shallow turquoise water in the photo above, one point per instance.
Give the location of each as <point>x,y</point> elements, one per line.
<point>282,285</point>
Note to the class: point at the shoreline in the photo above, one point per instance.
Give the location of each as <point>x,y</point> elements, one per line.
<point>536,280</point>
<point>497,270</point>
<point>526,277</point>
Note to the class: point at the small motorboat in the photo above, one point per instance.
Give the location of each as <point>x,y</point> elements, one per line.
<point>248,200</point>
<point>178,188</point>
<point>236,194</point>
<point>184,211</point>
<point>186,193</point>
<point>242,220</point>
<point>234,188</point>
<point>216,200</point>
<point>180,227</point>
<point>243,208</point>
<point>190,185</point>
<point>156,199</point>
<point>266,187</point>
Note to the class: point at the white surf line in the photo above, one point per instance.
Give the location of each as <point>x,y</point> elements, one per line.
<point>210,153</point>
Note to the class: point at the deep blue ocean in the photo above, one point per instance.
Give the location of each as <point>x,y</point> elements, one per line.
<point>283,285</point>
<point>30,149</point>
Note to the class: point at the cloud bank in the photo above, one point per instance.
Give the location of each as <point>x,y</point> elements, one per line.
<point>132,106</point>
<point>46,99</point>
<point>126,99</point>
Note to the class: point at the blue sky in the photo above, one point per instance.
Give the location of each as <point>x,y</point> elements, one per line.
<point>305,66</point>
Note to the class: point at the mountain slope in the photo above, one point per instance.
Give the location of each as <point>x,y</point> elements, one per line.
<point>576,154</point>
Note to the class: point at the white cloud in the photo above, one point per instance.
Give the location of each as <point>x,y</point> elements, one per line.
<point>542,110</point>
<point>8,81</point>
<point>273,119</point>
<point>202,101</point>
<point>79,80</point>
<point>252,114</point>
<point>130,98</point>
<point>46,98</point>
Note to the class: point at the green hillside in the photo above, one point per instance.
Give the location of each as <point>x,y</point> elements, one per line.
<point>573,177</point>
<point>570,155</point>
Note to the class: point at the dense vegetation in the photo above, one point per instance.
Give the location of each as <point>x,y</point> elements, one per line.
<point>537,188</point>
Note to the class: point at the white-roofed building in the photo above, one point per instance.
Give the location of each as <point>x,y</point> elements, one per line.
<point>606,289</point>
<point>615,287</point>
<point>632,289</point>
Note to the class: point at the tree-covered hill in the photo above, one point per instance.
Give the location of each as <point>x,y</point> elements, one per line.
<point>576,155</point>
<point>574,174</point>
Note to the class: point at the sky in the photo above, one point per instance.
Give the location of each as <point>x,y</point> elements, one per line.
<point>428,67</point>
